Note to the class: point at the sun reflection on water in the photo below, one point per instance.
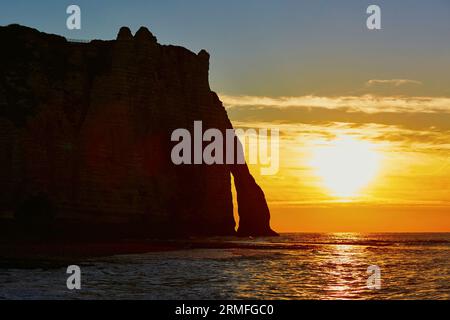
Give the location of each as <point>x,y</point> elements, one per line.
<point>341,266</point>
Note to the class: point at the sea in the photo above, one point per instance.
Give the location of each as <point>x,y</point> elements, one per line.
<point>292,266</point>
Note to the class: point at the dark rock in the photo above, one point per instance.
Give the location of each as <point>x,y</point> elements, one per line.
<point>143,34</point>
<point>124,34</point>
<point>87,127</point>
<point>204,55</point>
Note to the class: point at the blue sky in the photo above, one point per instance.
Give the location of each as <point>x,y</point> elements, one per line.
<point>278,48</point>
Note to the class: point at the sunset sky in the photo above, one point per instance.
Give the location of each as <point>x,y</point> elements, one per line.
<point>364,116</point>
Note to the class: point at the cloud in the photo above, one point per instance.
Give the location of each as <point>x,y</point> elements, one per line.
<point>416,113</point>
<point>392,82</point>
<point>364,103</point>
<point>395,135</point>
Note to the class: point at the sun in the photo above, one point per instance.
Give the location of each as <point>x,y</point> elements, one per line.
<point>345,165</point>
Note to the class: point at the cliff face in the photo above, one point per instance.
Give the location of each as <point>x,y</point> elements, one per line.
<point>85,134</point>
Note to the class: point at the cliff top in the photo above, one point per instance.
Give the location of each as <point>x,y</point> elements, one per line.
<point>143,35</point>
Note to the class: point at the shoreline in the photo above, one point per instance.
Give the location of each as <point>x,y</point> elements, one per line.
<point>14,254</point>
<point>23,253</point>
<point>41,255</point>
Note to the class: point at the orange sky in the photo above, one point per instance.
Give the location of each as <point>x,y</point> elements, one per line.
<point>362,164</point>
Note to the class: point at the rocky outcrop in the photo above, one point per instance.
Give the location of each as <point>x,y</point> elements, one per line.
<point>85,137</point>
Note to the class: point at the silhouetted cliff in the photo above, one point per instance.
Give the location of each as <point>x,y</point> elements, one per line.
<point>85,137</point>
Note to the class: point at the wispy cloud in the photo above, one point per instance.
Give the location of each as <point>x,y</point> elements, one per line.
<point>392,82</point>
<point>365,103</point>
<point>416,113</point>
